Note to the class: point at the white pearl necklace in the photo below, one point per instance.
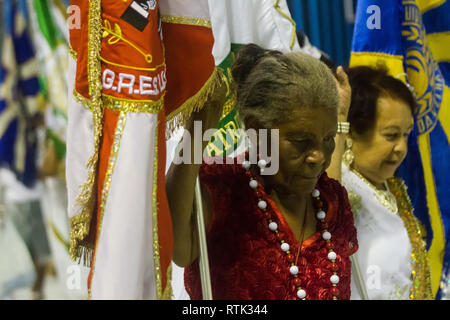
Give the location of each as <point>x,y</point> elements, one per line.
<point>284,246</point>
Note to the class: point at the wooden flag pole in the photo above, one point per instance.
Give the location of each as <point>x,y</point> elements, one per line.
<point>203,260</point>
<point>358,276</point>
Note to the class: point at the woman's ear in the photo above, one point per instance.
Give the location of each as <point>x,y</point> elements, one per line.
<point>358,137</point>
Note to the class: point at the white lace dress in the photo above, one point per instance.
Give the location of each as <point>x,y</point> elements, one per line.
<point>384,233</point>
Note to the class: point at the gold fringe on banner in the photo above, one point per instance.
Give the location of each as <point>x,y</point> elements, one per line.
<point>195,103</point>
<point>80,247</point>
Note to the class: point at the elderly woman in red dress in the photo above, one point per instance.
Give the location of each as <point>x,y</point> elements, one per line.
<point>282,236</point>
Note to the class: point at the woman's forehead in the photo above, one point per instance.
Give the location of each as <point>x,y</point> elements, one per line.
<point>393,112</point>
<point>305,120</point>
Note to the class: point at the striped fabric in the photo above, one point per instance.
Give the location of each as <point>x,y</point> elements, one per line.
<point>19,93</point>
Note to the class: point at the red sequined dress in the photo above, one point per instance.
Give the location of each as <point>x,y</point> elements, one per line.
<point>246,262</point>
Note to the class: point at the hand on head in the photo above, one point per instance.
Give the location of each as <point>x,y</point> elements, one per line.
<point>345,93</point>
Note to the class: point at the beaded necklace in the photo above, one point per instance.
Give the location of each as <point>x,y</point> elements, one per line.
<point>301,292</point>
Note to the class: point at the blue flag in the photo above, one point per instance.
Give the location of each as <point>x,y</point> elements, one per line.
<point>19,92</point>
<point>412,39</point>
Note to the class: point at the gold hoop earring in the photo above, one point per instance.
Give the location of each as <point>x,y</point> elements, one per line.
<point>348,155</point>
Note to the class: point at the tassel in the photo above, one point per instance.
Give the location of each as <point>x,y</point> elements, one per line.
<point>195,103</point>
<point>86,199</point>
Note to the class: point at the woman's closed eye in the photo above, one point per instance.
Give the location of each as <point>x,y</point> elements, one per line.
<point>300,144</point>
<point>390,136</point>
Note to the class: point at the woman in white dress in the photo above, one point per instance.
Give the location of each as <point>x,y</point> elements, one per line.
<point>391,259</point>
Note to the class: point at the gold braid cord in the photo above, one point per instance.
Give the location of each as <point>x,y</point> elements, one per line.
<point>195,103</point>
<point>80,248</point>
<point>421,287</point>
<point>136,106</point>
<point>187,21</point>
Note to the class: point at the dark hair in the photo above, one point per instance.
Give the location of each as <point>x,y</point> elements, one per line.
<point>368,85</point>
<point>270,84</point>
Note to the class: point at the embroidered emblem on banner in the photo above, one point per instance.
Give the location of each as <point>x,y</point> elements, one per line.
<point>139,86</point>
<point>422,70</point>
<point>137,13</point>
<point>227,138</point>
<point>133,64</point>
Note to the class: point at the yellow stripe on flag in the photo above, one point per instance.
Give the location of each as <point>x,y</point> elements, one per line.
<point>426,5</point>
<point>393,63</point>
<point>436,251</point>
<point>444,113</point>
<point>439,44</point>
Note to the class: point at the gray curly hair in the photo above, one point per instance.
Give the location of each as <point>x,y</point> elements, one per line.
<point>271,84</point>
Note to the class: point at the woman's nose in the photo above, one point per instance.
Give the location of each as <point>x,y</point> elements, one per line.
<point>315,158</point>
<point>401,146</point>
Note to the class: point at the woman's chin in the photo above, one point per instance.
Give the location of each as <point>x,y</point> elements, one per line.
<point>306,186</point>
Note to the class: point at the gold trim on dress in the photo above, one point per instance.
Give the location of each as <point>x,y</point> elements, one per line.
<point>187,20</point>
<point>421,278</point>
<point>355,202</point>
<point>385,198</point>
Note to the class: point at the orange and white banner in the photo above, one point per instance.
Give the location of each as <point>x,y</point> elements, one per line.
<point>134,64</point>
